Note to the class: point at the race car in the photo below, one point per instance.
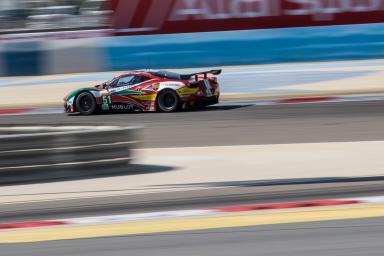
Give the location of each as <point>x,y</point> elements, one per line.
<point>147,91</point>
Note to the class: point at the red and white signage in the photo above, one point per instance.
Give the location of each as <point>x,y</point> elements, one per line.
<point>182,16</point>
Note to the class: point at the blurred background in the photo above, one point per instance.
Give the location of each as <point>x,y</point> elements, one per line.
<point>291,156</point>
<point>43,15</point>
<point>116,35</point>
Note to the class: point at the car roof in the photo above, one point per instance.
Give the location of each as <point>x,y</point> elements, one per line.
<point>155,73</point>
<point>166,74</point>
<point>162,73</point>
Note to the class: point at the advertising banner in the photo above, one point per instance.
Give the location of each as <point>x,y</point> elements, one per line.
<point>135,17</point>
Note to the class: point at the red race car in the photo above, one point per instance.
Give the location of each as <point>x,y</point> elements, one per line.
<point>147,90</point>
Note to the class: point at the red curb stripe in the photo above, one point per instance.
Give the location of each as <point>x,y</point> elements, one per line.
<point>14,111</point>
<point>306,99</point>
<point>32,224</point>
<point>285,205</point>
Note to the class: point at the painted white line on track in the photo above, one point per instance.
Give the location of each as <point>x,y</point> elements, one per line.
<point>138,216</point>
<point>374,200</point>
<point>161,215</point>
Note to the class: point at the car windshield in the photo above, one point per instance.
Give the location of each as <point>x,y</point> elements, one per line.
<point>108,83</point>
<point>119,81</point>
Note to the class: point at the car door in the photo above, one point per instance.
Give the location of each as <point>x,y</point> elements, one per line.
<point>121,92</point>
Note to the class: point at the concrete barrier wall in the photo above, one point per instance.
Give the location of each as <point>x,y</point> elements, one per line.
<point>23,58</point>
<point>195,49</point>
<point>40,57</point>
<point>73,56</point>
<point>40,153</point>
<point>246,47</point>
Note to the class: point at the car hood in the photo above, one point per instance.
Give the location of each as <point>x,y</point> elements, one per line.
<point>76,91</point>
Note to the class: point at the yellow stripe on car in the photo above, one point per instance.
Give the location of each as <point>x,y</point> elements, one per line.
<point>150,97</point>
<point>187,90</point>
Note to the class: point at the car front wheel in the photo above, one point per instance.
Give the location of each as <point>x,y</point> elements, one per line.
<point>86,103</point>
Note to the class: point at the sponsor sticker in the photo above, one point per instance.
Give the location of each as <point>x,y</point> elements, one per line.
<point>172,85</point>
<point>107,99</point>
<point>122,107</point>
<point>105,107</point>
<point>208,87</point>
<point>70,101</point>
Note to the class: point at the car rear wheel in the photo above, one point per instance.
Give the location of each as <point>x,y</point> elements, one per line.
<point>168,101</point>
<point>86,103</point>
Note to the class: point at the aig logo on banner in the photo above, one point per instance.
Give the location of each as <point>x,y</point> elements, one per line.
<point>176,16</point>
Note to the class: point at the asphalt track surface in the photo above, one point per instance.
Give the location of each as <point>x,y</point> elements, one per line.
<point>343,237</point>
<point>241,125</point>
<point>235,125</point>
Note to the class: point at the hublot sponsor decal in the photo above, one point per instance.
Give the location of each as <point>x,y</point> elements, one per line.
<point>121,107</point>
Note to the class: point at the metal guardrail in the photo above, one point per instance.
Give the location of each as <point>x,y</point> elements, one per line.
<point>65,148</point>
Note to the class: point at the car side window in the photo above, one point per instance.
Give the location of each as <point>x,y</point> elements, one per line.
<point>141,79</point>
<point>126,80</point>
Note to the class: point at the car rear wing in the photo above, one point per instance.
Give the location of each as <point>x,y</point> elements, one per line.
<point>214,72</point>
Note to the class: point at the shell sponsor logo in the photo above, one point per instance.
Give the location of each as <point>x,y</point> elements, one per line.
<point>155,86</point>
<point>152,87</point>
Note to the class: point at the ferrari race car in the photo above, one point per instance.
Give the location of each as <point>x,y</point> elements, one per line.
<point>146,90</point>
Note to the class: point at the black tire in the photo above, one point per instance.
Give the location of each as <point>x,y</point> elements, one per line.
<point>86,103</point>
<point>168,101</point>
